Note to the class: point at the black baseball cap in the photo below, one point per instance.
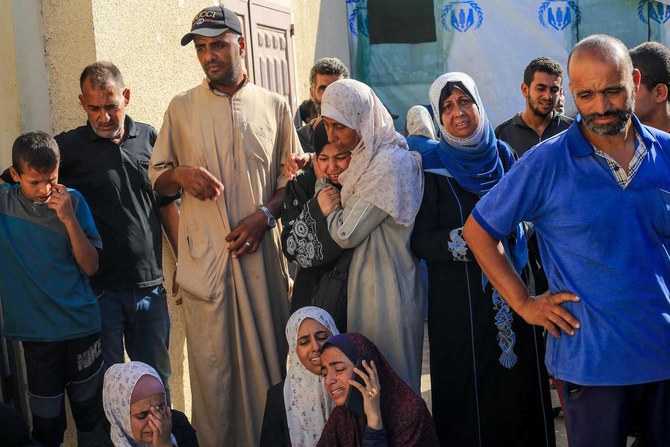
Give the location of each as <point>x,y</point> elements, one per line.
<point>211,22</point>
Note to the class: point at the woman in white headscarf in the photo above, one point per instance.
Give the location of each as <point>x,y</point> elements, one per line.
<point>297,408</point>
<point>420,129</point>
<point>488,384</point>
<point>133,397</point>
<point>380,196</point>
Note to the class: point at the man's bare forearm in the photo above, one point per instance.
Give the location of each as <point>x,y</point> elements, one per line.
<point>197,181</point>
<point>545,310</point>
<point>169,216</point>
<point>276,202</point>
<point>494,263</point>
<point>168,183</point>
<point>85,254</point>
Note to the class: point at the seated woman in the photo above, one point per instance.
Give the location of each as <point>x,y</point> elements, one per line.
<point>297,408</point>
<point>133,397</point>
<point>488,382</point>
<point>393,413</point>
<point>380,196</point>
<point>306,240</point>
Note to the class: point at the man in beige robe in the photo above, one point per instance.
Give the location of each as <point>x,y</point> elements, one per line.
<point>224,143</point>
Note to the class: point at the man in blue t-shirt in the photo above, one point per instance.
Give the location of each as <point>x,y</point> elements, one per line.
<point>598,196</point>
<point>48,249</point>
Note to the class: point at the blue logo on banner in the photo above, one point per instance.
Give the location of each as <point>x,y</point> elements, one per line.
<point>658,12</point>
<point>358,22</point>
<point>559,14</point>
<point>460,15</point>
<point>358,18</point>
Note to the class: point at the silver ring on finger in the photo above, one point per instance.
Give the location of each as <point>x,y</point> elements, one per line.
<point>247,244</point>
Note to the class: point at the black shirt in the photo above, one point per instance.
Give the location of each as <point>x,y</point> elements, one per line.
<point>114,181</point>
<point>6,177</point>
<point>306,137</point>
<point>183,431</point>
<point>522,137</point>
<point>274,432</point>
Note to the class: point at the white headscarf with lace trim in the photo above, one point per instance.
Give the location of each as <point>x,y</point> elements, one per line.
<point>419,122</point>
<point>382,171</point>
<point>306,403</point>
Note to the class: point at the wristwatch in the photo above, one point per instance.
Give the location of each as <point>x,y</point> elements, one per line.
<point>272,222</point>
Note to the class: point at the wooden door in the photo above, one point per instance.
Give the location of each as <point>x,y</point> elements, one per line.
<point>272,49</point>
<point>241,8</point>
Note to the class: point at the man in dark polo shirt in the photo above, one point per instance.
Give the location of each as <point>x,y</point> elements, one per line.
<point>541,87</point>
<point>107,161</point>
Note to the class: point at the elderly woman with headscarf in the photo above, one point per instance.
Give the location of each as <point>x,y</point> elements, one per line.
<point>297,408</point>
<point>420,130</point>
<point>133,397</point>
<point>488,384</point>
<point>380,196</point>
<point>392,413</point>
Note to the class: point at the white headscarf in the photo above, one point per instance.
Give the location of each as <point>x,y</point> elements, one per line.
<point>469,83</point>
<point>306,403</point>
<point>120,381</point>
<point>382,171</point>
<point>419,122</point>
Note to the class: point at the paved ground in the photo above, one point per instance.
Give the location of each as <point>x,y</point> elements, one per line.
<point>559,424</point>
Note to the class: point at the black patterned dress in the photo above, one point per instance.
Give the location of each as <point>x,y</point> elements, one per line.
<point>488,380</point>
<point>305,238</point>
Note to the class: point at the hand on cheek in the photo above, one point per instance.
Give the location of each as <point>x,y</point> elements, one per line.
<point>371,394</point>
<point>161,425</point>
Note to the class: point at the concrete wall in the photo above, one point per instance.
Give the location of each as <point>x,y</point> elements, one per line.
<point>144,41</point>
<point>59,37</point>
<point>141,37</point>
<point>320,31</point>
<point>69,45</point>
<point>155,66</point>
<point>10,112</point>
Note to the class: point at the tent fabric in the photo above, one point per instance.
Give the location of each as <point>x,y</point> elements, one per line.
<point>492,41</point>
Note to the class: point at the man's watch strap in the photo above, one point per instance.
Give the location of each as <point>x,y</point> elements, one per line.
<point>272,222</point>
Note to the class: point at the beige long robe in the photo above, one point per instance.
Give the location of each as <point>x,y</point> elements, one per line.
<point>235,309</point>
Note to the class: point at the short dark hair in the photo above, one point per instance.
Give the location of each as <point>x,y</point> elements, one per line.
<point>320,137</point>
<point>543,64</point>
<point>327,66</point>
<point>653,61</point>
<point>307,109</point>
<point>100,75</point>
<point>37,150</point>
